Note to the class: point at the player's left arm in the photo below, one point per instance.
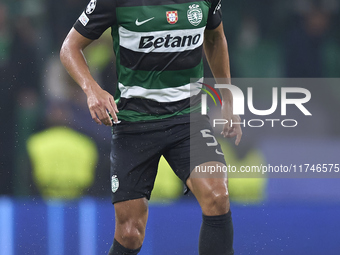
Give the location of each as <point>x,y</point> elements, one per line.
<point>216,51</point>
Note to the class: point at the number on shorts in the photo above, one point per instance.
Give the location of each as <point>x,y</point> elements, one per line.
<point>205,134</point>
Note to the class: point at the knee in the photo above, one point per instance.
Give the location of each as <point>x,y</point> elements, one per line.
<point>216,202</point>
<point>131,234</point>
<point>212,194</point>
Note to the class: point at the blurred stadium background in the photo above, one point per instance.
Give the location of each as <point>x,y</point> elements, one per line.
<point>54,162</point>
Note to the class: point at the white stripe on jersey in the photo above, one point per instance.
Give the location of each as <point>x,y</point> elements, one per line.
<point>161,41</point>
<point>165,95</point>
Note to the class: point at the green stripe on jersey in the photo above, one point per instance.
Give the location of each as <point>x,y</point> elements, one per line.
<point>158,79</point>
<point>133,116</point>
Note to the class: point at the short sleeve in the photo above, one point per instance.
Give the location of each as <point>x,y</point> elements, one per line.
<point>215,15</point>
<point>98,16</point>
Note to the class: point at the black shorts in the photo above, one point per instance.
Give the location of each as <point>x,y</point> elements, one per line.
<point>137,148</point>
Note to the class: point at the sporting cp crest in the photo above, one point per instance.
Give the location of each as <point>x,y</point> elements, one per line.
<point>114,183</point>
<point>195,14</point>
<point>172,17</point>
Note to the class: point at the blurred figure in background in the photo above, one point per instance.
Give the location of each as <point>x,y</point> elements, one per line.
<point>63,159</point>
<point>26,81</point>
<point>305,43</point>
<point>310,52</point>
<point>256,56</point>
<point>20,82</point>
<point>6,104</point>
<point>59,21</point>
<point>20,91</point>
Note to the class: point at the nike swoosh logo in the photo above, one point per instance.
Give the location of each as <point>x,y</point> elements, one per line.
<point>138,23</point>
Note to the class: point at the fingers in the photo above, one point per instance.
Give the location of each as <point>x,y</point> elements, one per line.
<point>238,133</point>
<point>232,132</point>
<point>238,139</point>
<point>112,108</point>
<point>94,117</point>
<point>101,109</point>
<point>226,129</point>
<point>224,133</point>
<point>101,116</point>
<point>113,103</point>
<point>106,118</point>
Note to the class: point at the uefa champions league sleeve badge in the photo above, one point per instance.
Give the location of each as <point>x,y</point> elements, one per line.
<point>91,6</point>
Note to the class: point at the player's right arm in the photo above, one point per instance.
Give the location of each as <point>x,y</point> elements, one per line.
<point>98,100</point>
<point>96,18</point>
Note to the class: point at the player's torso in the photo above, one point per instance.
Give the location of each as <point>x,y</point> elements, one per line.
<point>158,45</point>
<point>161,35</point>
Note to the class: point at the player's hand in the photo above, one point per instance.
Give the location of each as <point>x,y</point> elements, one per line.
<point>100,104</point>
<point>228,130</point>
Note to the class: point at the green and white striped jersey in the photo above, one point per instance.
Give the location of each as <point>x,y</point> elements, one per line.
<point>158,46</point>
